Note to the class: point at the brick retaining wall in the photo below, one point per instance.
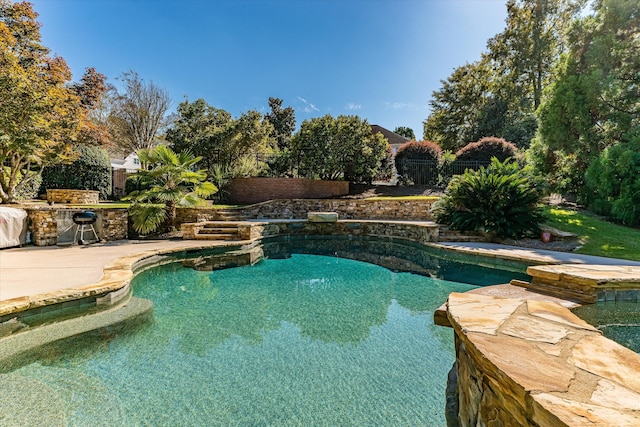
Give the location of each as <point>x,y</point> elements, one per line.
<point>255,190</point>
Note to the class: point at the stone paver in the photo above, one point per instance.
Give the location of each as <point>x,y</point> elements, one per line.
<point>543,363</point>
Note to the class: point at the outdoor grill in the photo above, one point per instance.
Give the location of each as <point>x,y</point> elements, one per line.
<point>82,220</point>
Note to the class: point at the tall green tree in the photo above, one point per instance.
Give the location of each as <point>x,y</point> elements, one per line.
<point>525,52</point>
<point>283,121</point>
<point>455,106</point>
<point>339,148</point>
<point>170,182</point>
<point>40,113</point>
<point>595,101</point>
<point>405,131</point>
<point>201,129</point>
<point>249,135</point>
<point>499,94</point>
<point>216,137</point>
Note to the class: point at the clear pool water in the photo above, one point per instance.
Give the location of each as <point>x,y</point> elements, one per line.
<point>305,340</point>
<point>619,321</point>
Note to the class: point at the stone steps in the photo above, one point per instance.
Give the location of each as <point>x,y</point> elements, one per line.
<point>218,231</point>
<point>230,215</point>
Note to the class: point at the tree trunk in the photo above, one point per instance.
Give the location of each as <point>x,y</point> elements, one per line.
<point>171,215</point>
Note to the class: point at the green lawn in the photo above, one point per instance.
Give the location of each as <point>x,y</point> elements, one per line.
<point>601,238</point>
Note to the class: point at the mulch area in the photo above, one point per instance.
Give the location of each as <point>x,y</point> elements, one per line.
<point>364,191</point>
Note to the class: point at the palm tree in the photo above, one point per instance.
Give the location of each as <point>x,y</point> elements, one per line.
<point>170,182</point>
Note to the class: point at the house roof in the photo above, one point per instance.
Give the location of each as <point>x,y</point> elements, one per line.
<point>393,138</point>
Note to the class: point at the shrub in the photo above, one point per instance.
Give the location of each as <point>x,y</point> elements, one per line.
<point>500,200</point>
<point>411,159</point>
<point>385,173</point>
<point>486,149</point>
<point>171,182</point>
<point>133,184</point>
<point>31,189</point>
<point>91,171</point>
<point>419,150</point>
<point>613,183</point>
<point>279,164</point>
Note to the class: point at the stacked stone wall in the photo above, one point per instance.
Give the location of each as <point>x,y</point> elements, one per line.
<point>535,363</point>
<point>188,215</point>
<point>43,225</point>
<point>73,197</point>
<point>414,210</point>
<point>419,209</point>
<point>114,224</point>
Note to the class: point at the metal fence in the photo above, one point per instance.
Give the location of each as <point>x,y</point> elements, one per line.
<point>429,172</point>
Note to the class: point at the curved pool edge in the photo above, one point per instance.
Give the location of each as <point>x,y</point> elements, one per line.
<point>116,275</point>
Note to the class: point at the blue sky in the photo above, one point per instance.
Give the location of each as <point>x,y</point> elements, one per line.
<point>378,59</point>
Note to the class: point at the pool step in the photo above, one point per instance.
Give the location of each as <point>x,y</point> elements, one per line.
<point>445,234</point>
<point>231,215</point>
<point>219,230</point>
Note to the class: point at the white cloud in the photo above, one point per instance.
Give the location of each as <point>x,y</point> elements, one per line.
<point>404,106</point>
<point>353,106</point>
<point>308,106</point>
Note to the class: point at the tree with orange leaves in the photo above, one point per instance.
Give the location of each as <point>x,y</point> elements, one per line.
<point>40,113</point>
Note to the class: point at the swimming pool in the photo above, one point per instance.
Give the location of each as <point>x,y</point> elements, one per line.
<point>619,321</point>
<point>296,339</point>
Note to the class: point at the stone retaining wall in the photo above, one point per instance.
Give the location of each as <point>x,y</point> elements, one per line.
<point>189,215</point>
<point>416,232</point>
<point>73,197</point>
<point>415,210</point>
<point>418,210</point>
<point>255,190</point>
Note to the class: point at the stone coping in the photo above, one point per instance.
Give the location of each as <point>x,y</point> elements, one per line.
<point>116,276</point>
<point>539,364</point>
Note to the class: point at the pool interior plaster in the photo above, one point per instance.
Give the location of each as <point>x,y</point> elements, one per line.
<point>596,379</point>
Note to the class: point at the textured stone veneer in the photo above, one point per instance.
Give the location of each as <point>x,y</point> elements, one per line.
<point>534,363</point>
<point>418,210</point>
<point>73,197</point>
<point>421,232</point>
<point>44,227</point>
